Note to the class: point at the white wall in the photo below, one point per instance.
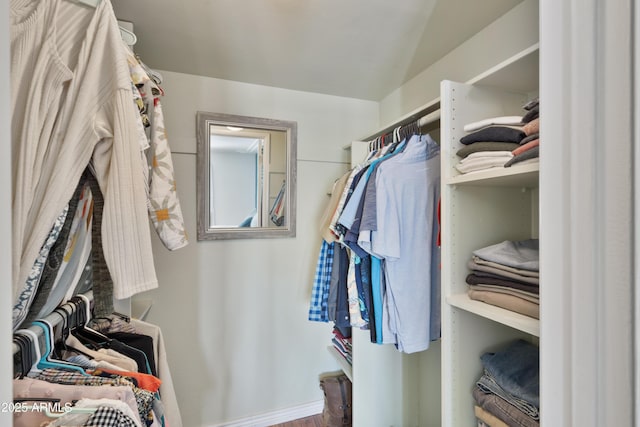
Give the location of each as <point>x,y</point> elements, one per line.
<point>503,38</point>
<point>234,312</point>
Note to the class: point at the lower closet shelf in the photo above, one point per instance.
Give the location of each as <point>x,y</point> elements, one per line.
<point>497,314</point>
<point>516,176</point>
<point>344,365</point>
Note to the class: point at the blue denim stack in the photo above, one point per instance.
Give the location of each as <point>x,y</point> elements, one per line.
<point>509,388</point>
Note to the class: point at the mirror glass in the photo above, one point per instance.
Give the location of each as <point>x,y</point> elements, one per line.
<point>246,177</point>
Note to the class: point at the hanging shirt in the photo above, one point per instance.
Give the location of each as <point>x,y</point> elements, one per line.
<point>164,206</point>
<point>318,310</point>
<point>367,225</point>
<point>71,103</point>
<point>407,191</point>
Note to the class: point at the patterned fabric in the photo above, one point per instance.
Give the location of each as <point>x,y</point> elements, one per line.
<point>77,255</point>
<point>166,213</point>
<point>143,141</point>
<point>355,314</point>
<point>109,417</point>
<point>102,282</point>
<point>319,311</point>
<point>164,205</point>
<point>21,306</point>
<point>144,399</point>
<point>54,260</point>
<point>111,323</point>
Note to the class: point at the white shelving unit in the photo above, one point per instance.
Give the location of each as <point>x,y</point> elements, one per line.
<point>433,388</point>
<point>479,209</point>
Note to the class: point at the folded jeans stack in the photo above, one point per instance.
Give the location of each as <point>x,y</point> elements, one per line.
<point>508,393</point>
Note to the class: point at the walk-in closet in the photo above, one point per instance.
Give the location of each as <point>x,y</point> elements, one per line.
<point>210,208</point>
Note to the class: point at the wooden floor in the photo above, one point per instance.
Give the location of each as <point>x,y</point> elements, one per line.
<point>314,421</point>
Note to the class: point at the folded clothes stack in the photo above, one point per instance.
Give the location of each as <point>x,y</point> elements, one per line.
<point>529,149</point>
<point>499,142</point>
<point>508,392</point>
<point>343,345</point>
<point>507,275</point>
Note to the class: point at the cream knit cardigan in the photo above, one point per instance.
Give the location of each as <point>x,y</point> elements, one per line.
<point>72,104</point>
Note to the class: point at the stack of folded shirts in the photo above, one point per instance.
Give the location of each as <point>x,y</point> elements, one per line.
<point>508,393</point>
<point>507,275</point>
<point>343,345</point>
<point>529,149</point>
<point>482,160</point>
<point>489,143</point>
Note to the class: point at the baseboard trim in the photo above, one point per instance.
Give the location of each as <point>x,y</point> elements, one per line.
<point>277,417</point>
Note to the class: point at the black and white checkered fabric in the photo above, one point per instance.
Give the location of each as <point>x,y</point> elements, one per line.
<point>109,417</point>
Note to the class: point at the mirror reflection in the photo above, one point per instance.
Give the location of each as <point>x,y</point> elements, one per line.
<point>246,174</point>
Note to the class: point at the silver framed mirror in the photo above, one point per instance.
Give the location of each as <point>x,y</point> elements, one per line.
<point>246,177</point>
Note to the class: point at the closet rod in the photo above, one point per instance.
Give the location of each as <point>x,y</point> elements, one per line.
<point>54,319</point>
<point>425,117</point>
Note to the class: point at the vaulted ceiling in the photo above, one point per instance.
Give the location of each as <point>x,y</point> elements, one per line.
<point>354,48</point>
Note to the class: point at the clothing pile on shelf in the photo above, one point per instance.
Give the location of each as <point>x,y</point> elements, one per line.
<point>342,343</point>
<point>499,142</point>
<point>86,119</point>
<point>507,275</point>
<point>378,267</point>
<point>529,149</point>
<point>508,393</point>
<point>120,373</point>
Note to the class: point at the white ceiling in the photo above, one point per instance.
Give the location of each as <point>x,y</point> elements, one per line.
<point>355,48</point>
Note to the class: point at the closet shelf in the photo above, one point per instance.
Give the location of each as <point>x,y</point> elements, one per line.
<point>497,314</point>
<point>519,73</point>
<point>344,365</point>
<point>525,176</point>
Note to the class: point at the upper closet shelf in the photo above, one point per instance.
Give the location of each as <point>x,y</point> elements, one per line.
<point>525,176</point>
<point>519,74</point>
<point>514,320</point>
